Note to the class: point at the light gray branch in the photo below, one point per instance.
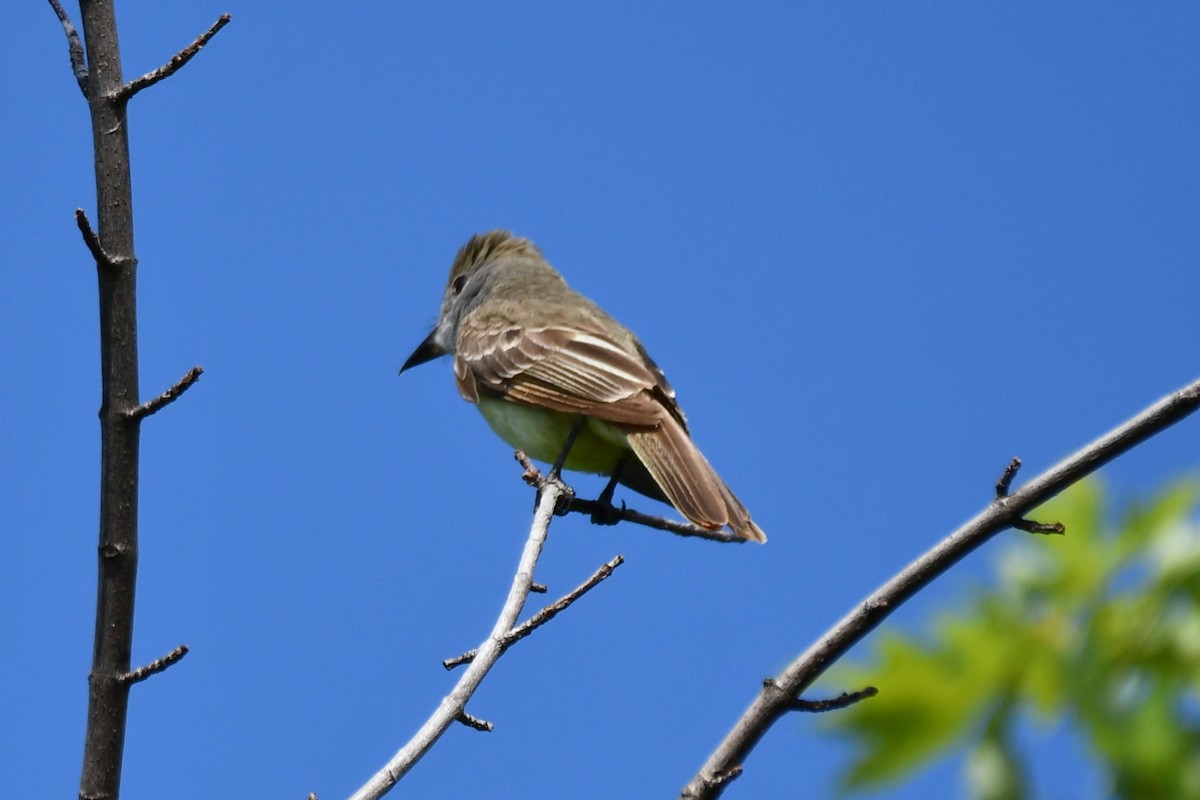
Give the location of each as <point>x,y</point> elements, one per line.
<point>546,614</point>
<point>453,705</point>
<point>776,697</point>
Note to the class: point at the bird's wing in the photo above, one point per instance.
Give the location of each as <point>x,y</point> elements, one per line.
<point>564,368</point>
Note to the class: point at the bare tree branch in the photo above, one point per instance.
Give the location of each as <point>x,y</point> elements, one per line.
<point>169,396</point>
<point>156,666</point>
<point>116,262</point>
<point>604,513</point>
<point>1006,478</point>
<point>1027,525</point>
<point>816,706</point>
<point>453,705</point>
<point>111,244</point>
<point>598,509</point>
<point>74,47</point>
<point>775,700</point>
<point>474,722</point>
<point>103,259</point>
<point>545,615</point>
<point>171,67</point>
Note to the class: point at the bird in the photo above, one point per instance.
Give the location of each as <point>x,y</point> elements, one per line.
<point>541,361</point>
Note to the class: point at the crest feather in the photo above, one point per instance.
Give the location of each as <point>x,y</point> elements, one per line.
<point>483,247</point>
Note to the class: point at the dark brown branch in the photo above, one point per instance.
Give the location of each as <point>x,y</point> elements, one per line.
<point>545,615</point>
<point>103,259</point>
<point>474,722</point>
<point>815,706</point>
<point>1006,479</point>
<point>171,67</point>
<point>155,667</point>
<point>771,703</point>
<point>533,476</point>
<point>581,506</point>
<point>1027,525</point>
<point>112,245</point>
<point>169,396</point>
<point>74,47</point>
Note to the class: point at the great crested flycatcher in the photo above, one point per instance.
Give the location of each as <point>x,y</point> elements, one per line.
<point>535,356</point>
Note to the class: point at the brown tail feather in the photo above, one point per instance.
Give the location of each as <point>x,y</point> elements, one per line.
<point>739,517</point>
<point>689,482</point>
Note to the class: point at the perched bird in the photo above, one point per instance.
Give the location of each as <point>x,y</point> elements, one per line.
<point>535,356</point>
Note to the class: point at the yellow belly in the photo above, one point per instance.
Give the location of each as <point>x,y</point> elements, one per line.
<point>541,434</point>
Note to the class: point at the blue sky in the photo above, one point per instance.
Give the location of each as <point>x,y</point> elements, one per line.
<point>878,248</point>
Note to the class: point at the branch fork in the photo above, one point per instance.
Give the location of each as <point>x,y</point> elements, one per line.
<point>474,722</point>
<point>841,701</point>
<point>171,67</point>
<point>545,615</point>
<point>453,706</point>
<point>169,396</point>
<point>104,260</point>
<point>122,94</point>
<point>1022,524</point>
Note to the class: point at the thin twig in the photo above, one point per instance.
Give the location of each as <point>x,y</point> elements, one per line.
<point>474,722</point>
<point>1003,513</point>
<point>1006,478</point>
<point>727,776</point>
<point>1027,525</point>
<point>546,614</point>
<point>92,240</point>
<point>454,704</point>
<point>74,47</point>
<point>816,706</point>
<point>650,521</point>
<point>533,476</point>
<point>171,67</point>
<point>169,396</point>
<point>154,667</point>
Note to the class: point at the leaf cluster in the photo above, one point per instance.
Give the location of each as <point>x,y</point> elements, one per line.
<point>1100,629</point>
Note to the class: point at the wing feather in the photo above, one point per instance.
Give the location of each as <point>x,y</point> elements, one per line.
<point>563,368</point>
<point>585,371</point>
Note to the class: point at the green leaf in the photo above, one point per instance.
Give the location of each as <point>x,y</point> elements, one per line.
<point>1100,628</point>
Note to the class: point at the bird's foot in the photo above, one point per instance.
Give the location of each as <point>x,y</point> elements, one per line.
<point>566,496</point>
<point>605,513</point>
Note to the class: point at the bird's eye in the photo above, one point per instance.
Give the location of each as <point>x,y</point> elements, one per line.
<point>459,283</point>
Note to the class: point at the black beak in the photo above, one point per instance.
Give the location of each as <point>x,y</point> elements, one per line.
<point>426,351</point>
